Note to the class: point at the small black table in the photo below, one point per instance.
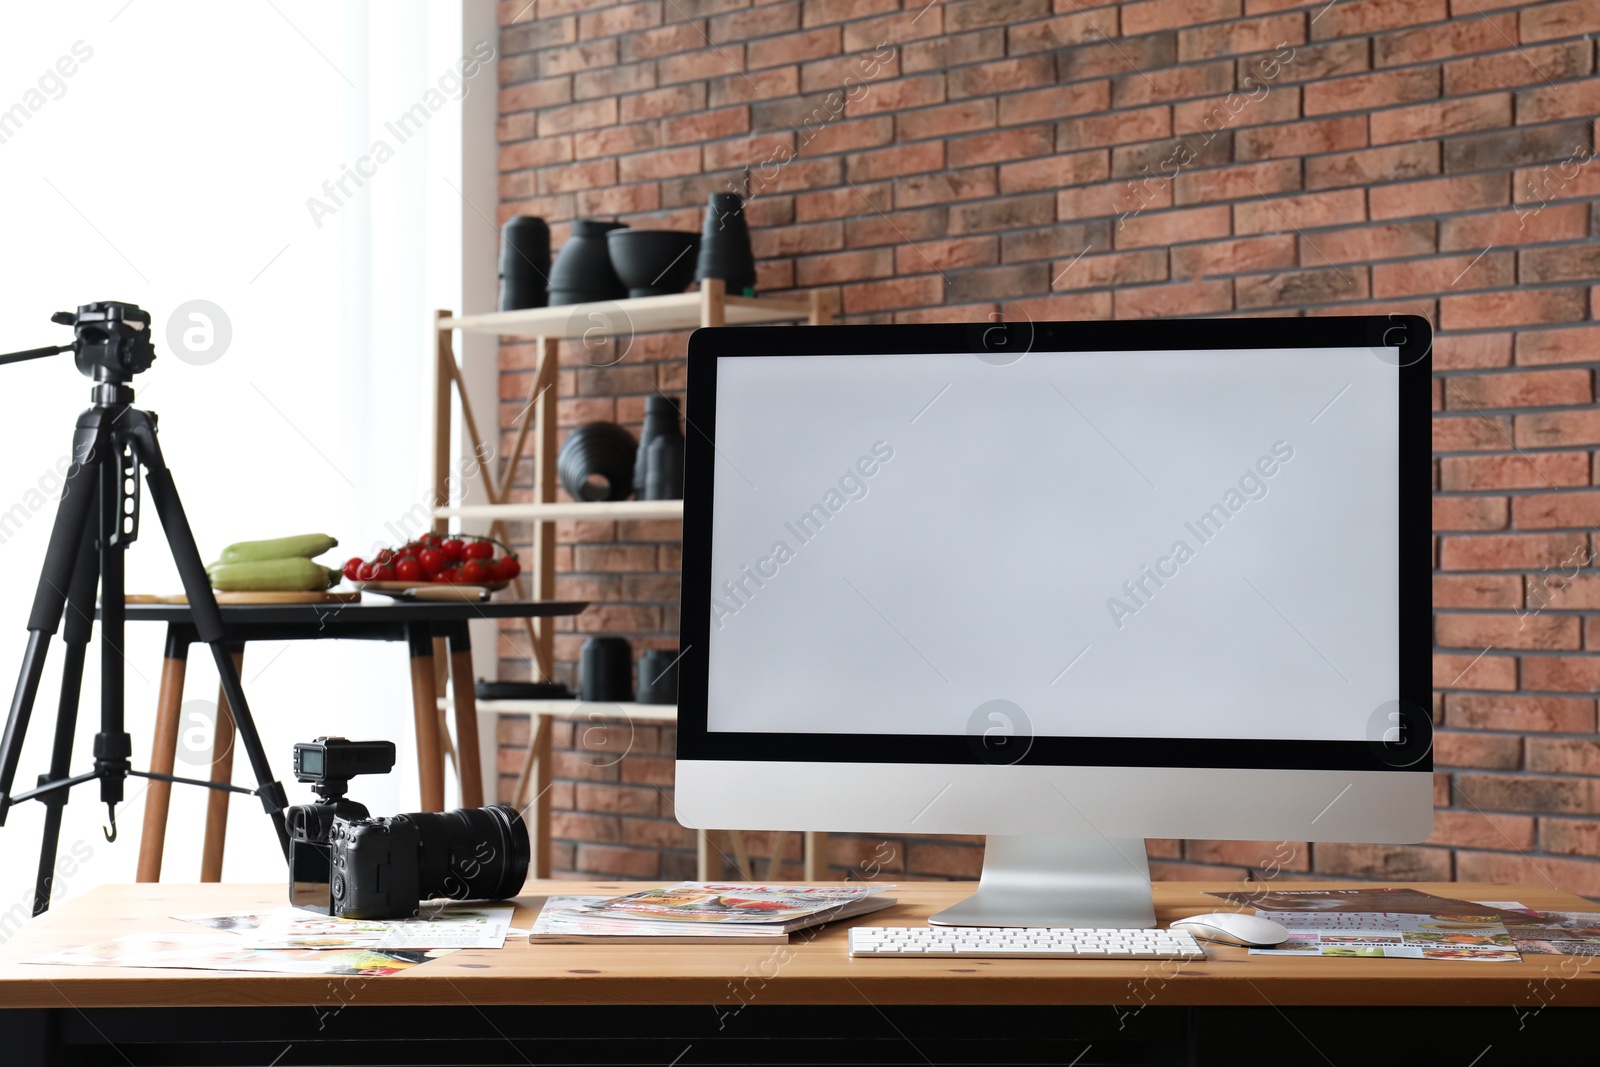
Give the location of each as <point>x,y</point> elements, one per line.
<point>417,623</point>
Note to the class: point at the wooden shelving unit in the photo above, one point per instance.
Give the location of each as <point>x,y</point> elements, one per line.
<point>536,428</point>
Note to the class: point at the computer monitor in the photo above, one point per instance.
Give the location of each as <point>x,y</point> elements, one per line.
<point>1068,585</point>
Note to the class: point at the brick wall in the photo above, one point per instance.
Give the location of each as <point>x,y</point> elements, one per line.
<point>1169,157</point>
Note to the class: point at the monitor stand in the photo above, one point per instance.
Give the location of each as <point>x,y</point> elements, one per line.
<point>1059,881</point>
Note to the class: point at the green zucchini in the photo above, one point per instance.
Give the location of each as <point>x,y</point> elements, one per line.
<point>270,575</point>
<point>303,545</point>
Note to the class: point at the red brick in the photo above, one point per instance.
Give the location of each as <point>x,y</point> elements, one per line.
<point>1499,310</point>
<point>1112,198</point>
<point>913,24</point>
<point>1387,241</point>
<point>1234,38</point>
<point>532,96</point>
<point>880,228</point>
<point>571,59</point>
<point>1536,266</point>
<point>1570,836</point>
<point>1555,428</point>
<point>945,186</point>
<point>792,48</point>
<point>1491,111</point>
<point>1241,256</point>
<point>1001,145</point>
<point>1562,589</point>
<point>1012,213</point>
<point>1576,344</point>
<point>954,50</point>
<point>1477,232</point>
<point>1544,511</point>
<point>1148,16</point>
<point>1474,672</point>
<point>1470,351</point>
<point>813,271</point>
<point>1524,66</point>
<point>1364,92</point>
<point>1473,433</point>
<point>1309,211</point>
<point>1520,389</point>
<point>1430,197</point>
<point>1184,298</point>
<point>947,255</point>
<point>1116,269</point>
<point>1476,829</point>
<point>898,293</point>
<point>1541,795</point>
<point>1166,228</point>
<point>1047,105</point>
<point>1301,287</point>
<point>1389,863</point>
<point>960,117</point>
<point>1550,102</point>
<point>897,95</point>
<point>587,144</point>
<point>1179,83</point>
<point>1356,17</point>
<point>1546,21</point>
<point>1395,163</point>
<point>1499,552</point>
<point>1566,755</point>
<point>1301,138</point>
<point>1507,631</point>
<point>1463,37</point>
<point>1237,183</point>
<point>705,126</point>
<point>1121,127</point>
<point>1054,171</point>
<point>1493,270</point>
<point>1562,674</point>
<point>888,162</point>
<point>1493,752</point>
<point>1256,855</point>
<point>1469,513</point>
<point>1575,876</point>
<point>1473,711</point>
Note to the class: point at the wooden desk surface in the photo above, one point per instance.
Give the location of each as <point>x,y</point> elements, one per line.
<point>806,971</point>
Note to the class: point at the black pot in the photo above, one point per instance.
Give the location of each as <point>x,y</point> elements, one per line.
<point>725,245</point>
<point>524,263</point>
<point>663,469</point>
<point>606,664</point>
<point>597,462</point>
<point>658,677</point>
<point>660,420</point>
<point>582,271</point>
<point>653,262</point>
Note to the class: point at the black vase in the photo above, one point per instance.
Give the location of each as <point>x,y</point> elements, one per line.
<point>596,462</point>
<point>663,469</point>
<point>524,263</point>
<point>582,271</point>
<point>660,420</point>
<point>658,677</point>
<point>606,666</point>
<point>725,245</point>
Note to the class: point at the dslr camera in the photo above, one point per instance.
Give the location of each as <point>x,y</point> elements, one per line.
<point>344,862</point>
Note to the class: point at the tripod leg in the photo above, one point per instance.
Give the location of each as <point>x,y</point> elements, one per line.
<point>207,617</point>
<point>112,745</point>
<point>66,540</point>
<point>79,625</point>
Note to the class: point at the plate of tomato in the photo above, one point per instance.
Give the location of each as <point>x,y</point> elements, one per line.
<point>436,559</point>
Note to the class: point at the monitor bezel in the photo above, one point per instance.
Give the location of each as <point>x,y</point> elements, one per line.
<point>1411,336</point>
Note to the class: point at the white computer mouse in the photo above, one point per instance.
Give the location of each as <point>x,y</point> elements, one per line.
<point>1234,928</point>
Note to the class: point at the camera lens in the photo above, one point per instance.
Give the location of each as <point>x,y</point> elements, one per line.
<point>471,853</point>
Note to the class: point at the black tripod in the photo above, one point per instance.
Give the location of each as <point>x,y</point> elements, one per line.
<point>112,440</point>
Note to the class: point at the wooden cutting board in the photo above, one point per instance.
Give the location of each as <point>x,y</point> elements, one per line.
<point>284,597</point>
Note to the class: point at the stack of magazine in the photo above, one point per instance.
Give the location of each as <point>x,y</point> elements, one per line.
<point>702,913</point>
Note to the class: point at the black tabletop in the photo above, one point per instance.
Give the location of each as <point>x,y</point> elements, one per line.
<point>363,612</point>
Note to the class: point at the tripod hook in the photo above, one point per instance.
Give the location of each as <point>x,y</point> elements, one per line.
<point>111,834</point>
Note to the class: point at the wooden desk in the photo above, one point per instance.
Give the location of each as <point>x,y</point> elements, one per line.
<point>814,971</point>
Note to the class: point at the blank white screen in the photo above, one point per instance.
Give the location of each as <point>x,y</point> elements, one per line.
<point>986,557</point>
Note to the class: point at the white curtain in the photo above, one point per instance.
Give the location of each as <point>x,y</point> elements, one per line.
<point>296,166</point>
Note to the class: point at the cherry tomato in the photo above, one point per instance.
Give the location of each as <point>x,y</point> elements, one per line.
<point>352,568</point>
<point>407,551</point>
<point>385,572</point>
<point>473,572</point>
<point>449,576</point>
<point>367,572</point>
<point>408,570</point>
<point>384,555</point>
<point>478,550</point>
<point>507,568</point>
<point>453,549</point>
<point>432,561</point>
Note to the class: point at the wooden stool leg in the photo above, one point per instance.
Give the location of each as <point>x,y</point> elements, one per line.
<point>536,774</point>
<point>425,712</point>
<point>221,771</point>
<point>468,764</point>
<point>163,753</point>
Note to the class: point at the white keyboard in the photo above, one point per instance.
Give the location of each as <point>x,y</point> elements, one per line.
<point>1030,943</point>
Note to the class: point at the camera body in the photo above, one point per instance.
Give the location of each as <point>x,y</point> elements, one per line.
<point>345,862</point>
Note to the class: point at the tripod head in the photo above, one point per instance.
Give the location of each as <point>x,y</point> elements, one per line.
<point>112,341</point>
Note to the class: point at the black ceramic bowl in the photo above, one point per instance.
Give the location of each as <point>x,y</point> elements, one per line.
<point>654,262</point>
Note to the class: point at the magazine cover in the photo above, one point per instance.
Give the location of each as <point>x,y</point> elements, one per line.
<point>1409,935</point>
<point>719,902</point>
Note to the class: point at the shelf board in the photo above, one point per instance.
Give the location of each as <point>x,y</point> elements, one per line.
<point>573,708</point>
<point>647,314</point>
<point>617,510</point>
